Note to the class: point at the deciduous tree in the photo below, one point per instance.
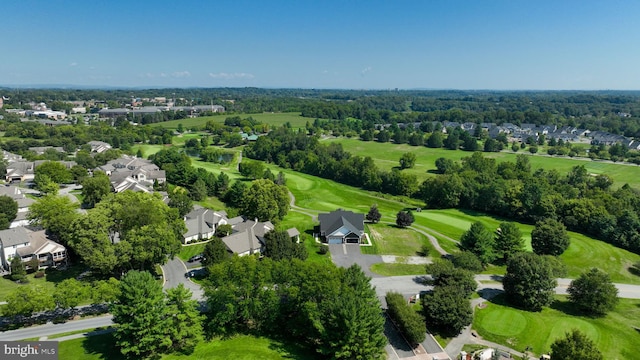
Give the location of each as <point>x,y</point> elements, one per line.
<point>215,252</point>
<point>593,292</point>
<point>185,320</point>
<point>95,188</point>
<point>575,345</point>
<point>54,213</point>
<point>266,201</point>
<point>529,282</point>
<point>411,324</point>
<point>448,309</point>
<point>407,160</point>
<point>70,293</point>
<point>549,237</point>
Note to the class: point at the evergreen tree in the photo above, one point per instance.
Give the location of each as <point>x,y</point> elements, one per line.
<point>549,237</point>
<point>140,316</point>
<point>373,215</point>
<point>479,241</point>
<point>18,271</point>
<point>508,240</point>
<point>185,320</point>
<point>404,218</point>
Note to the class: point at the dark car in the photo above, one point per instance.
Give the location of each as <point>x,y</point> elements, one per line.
<point>194,258</point>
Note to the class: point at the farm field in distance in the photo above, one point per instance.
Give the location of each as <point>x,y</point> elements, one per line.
<point>386,156</point>
<point>273,119</point>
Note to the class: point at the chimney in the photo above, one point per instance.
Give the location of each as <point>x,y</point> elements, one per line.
<point>199,226</point>
<point>252,236</point>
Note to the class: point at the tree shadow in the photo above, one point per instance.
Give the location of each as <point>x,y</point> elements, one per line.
<point>433,171</point>
<point>102,347</point>
<point>70,272</point>
<point>288,349</point>
<point>566,307</point>
<point>635,269</point>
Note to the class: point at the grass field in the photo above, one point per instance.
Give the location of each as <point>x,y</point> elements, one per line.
<point>102,347</point>
<point>391,240</point>
<point>613,334</point>
<point>386,156</point>
<point>273,119</point>
<point>385,269</point>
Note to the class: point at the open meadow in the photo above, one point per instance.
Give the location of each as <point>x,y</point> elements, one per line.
<point>613,334</point>
<point>387,155</point>
<point>273,119</point>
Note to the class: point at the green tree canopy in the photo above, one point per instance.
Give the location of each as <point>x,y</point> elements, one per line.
<point>8,209</point>
<point>575,345</point>
<point>404,218</point>
<point>251,169</point>
<point>411,324</point>
<point>374,214</point>
<point>95,188</point>
<point>185,320</point>
<point>529,282</point>
<point>215,252</point>
<point>447,309</point>
<point>407,160</point>
<point>278,246</point>
<point>56,171</point>
<point>479,241</point>
<point>549,237</point>
<point>54,213</point>
<point>593,292</point>
<point>265,201</point>
<point>140,317</point>
<point>508,240</point>
<point>70,293</point>
<point>179,199</point>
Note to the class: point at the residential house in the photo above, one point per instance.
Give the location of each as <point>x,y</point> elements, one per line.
<point>202,223</point>
<point>341,227</point>
<point>132,173</point>
<point>25,170</point>
<point>99,146</point>
<point>39,150</point>
<point>30,245</point>
<point>24,202</point>
<point>247,237</point>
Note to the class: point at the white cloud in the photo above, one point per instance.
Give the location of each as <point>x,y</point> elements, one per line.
<point>73,64</point>
<point>229,76</point>
<point>163,75</point>
<point>181,74</point>
<point>366,70</point>
<point>325,71</point>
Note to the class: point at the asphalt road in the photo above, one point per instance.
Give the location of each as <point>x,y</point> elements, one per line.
<point>175,270</point>
<point>50,329</point>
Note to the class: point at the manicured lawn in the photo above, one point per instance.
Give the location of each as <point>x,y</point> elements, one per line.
<point>613,334</point>
<point>385,269</point>
<point>47,283</point>
<point>391,240</point>
<point>239,347</point>
<point>305,226</point>
<point>148,149</point>
<point>386,156</point>
<point>273,119</point>
<point>190,250</point>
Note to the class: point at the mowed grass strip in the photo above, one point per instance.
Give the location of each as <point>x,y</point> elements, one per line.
<point>386,269</point>
<point>387,155</point>
<point>391,240</point>
<point>241,347</point>
<point>614,334</point>
<point>273,119</point>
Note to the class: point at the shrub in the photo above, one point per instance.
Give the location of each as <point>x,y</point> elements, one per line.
<point>323,249</point>
<point>39,274</point>
<point>410,323</point>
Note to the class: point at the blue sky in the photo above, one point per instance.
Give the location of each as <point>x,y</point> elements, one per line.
<point>480,44</point>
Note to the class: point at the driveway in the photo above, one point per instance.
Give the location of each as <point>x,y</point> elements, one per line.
<point>345,255</point>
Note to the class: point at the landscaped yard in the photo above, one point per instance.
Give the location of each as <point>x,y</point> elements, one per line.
<point>189,250</point>
<point>47,282</point>
<point>243,347</point>
<point>614,334</point>
<point>391,240</point>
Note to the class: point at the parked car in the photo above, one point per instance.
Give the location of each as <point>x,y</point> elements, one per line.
<point>195,258</point>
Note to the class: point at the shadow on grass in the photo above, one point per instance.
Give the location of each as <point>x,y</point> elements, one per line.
<point>292,350</point>
<point>635,269</point>
<point>71,272</point>
<point>104,346</point>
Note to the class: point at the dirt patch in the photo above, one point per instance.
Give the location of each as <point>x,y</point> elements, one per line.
<point>482,305</point>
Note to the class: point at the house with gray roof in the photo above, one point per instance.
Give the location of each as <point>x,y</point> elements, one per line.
<point>132,173</point>
<point>341,227</point>
<point>30,245</point>
<point>24,202</point>
<point>202,223</point>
